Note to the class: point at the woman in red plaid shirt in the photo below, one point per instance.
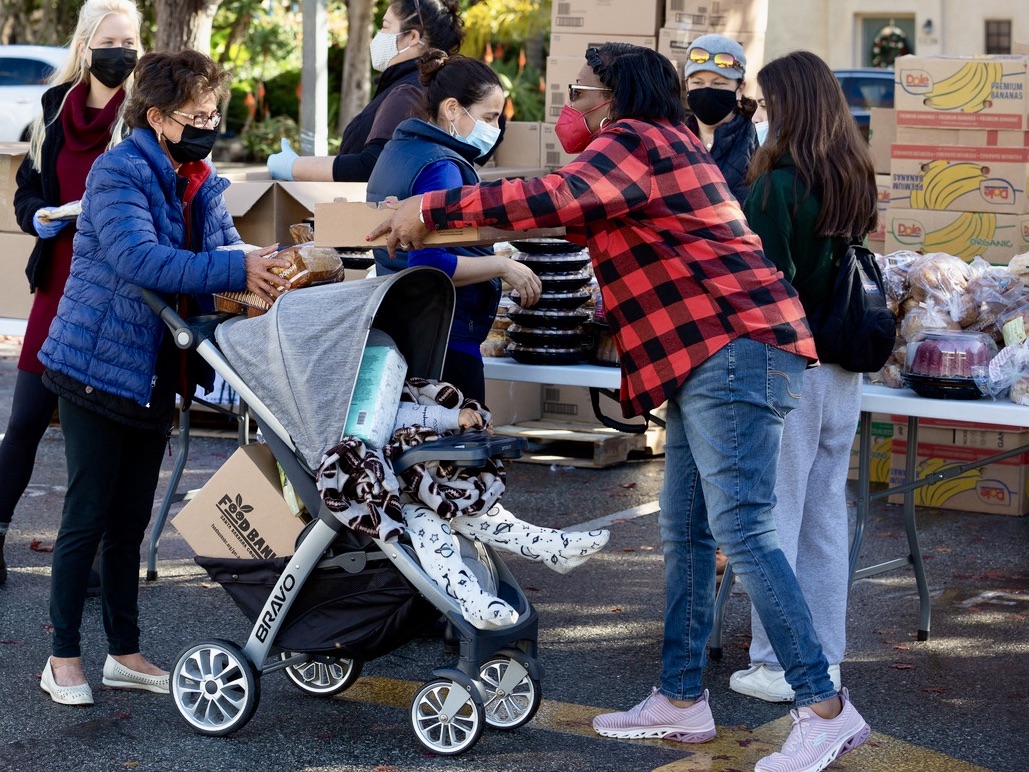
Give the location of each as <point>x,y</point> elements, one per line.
<point>701,320</point>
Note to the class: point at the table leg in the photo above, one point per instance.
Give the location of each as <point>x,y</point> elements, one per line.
<point>910,527</point>
<point>714,643</point>
<point>864,489</point>
<point>171,495</point>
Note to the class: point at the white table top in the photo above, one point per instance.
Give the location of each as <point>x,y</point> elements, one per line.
<point>874,398</point>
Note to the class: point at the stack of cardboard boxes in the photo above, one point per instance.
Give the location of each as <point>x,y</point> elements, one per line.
<point>959,156</point>
<point>15,245</point>
<point>744,21</point>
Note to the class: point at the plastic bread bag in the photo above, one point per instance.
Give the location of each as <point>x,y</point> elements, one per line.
<point>1008,373</point>
<point>937,275</point>
<point>1019,266</point>
<point>930,314</point>
<point>999,298</point>
<point>895,273</point>
<point>310,265</point>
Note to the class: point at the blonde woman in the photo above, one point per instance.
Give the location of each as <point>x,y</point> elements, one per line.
<point>81,119</point>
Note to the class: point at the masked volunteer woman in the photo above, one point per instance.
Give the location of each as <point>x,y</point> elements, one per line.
<point>463,103</point>
<point>409,28</point>
<point>715,71</point>
<point>152,216</point>
<point>82,117</point>
<point>703,321</point>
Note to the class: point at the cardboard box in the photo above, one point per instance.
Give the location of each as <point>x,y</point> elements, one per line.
<point>883,187</point>
<point>511,173</point>
<point>674,42</point>
<point>882,133</point>
<point>960,179</point>
<point>263,208</point>
<point>11,156</point>
<point>240,512</point>
<point>574,44</point>
<point>521,145</point>
<point>722,16</point>
<point>552,155</point>
<point>998,488</point>
<point>882,443</point>
<point>512,402</point>
<point>347,224</point>
<point>612,17</point>
<point>15,299</point>
<point>984,92</point>
<point>996,237</point>
<point>908,135</point>
<point>561,71</point>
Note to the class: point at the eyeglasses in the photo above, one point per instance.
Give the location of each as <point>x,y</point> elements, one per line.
<point>575,87</point>
<point>723,60</point>
<point>201,120</point>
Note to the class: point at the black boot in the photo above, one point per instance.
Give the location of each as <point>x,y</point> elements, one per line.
<point>3,564</point>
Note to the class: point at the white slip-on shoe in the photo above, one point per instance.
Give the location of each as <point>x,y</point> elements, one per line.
<point>762,682</point>
<point>117,676</point>
<point>80,695</point>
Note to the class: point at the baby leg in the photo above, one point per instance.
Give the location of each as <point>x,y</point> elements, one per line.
<point>433,542</point>
<point>559,550</point>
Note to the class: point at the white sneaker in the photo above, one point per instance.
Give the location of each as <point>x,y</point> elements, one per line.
<point>815,743</point>
<point>770,685</point>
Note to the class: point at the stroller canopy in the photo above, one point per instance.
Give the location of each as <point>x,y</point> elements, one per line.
<point>301,358</point>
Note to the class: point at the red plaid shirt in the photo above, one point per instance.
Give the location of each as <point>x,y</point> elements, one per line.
<point>680,272</point>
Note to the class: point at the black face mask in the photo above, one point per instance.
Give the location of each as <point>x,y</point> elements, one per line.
<point>193,145</point>
<point>111,66</point>
<point>711,105</point>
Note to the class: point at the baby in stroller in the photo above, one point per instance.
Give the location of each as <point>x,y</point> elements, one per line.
<point>433,501</point>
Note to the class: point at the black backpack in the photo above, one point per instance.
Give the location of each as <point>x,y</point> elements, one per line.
<point>853,328</point>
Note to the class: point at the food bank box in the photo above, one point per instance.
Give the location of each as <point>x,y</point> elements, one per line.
<point>15,298</point>
<point>11,156</point>
<point>879,458</point>
<point>574,44</point>
<point>521,146</point>
<point>613,17</point>
<point>263,209</point>
<point>552,154</point>
<point>907,135</point>
<point>561,71</point>
<point>240,512</point>
<point>996,237</point>
<point>956,178</point>
<point>996,488</point>
<point>722,16</point>
<point>877,238</point>
<point>989,92</point>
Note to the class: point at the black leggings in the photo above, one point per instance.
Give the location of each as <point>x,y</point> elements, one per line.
<point>31,411</point>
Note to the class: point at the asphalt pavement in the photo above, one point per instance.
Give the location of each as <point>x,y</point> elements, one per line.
<point>955,702</point>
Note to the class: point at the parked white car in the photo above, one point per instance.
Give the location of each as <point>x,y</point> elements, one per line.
<point>24,71</point>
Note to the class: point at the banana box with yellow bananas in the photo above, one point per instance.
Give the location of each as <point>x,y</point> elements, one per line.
<point>995,237</point>
<point>960,179</point>
<point>983,92</point>
<point>999,488</point>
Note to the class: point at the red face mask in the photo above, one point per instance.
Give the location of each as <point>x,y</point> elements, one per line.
<point>572,130</point>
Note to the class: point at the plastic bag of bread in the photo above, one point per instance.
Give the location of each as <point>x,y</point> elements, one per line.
<point>929,315</point>
<point>1019,266</point>
<point>310,265</point>
<point>895,273</point>
<point>937,275</point>
<point>1013,323</point>
<point>1008,373</point>
<point>889,375</point>
<point>495,344</point>
<point>999,297</point>
<point>302,232</point>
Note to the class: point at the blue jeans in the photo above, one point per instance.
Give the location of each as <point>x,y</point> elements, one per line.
<point>721,453</point>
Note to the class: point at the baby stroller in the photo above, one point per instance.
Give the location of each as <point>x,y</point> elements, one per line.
<point>345,598</point>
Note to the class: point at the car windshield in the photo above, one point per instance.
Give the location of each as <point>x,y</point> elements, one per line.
<point>864,93</point>
<point>18,71</point>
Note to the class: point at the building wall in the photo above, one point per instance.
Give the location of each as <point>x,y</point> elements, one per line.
<point>833,29</point>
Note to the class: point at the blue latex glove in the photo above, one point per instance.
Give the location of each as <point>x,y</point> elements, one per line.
<point>48,229</point>
<point>280,165</point>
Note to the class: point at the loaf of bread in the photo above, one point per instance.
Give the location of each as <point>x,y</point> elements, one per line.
<point>310,265</point>
<point>301,232</point>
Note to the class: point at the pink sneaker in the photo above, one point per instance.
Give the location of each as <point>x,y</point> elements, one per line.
<point>815,742</point>
<point>657,717</point>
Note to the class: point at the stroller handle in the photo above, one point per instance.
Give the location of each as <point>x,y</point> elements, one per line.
<point>182,334</point>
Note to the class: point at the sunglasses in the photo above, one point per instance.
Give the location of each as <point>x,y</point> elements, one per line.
<point>421,21</point>
<point>574,88</point>
<point>200,120</point>
<point>725,61</point>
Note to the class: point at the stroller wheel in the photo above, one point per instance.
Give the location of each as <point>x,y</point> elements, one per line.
<point>215,687</point>
<point>446,718</point>
<point>323,676</point>
<point>512,695</point>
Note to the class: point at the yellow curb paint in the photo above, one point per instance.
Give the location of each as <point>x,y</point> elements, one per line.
<point>733,747</point>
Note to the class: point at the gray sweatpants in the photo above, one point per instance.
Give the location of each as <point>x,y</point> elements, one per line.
<point>811,505</point>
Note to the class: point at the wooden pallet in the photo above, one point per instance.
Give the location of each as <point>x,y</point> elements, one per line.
<point>581,445</point>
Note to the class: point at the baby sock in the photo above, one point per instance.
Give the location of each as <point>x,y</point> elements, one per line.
<point>433,542</point>
<point>559,550</point>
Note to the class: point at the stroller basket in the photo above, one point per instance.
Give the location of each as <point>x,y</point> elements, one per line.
<point>360,615</point>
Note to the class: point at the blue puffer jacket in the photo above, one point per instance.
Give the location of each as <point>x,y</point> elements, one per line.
<point>129,236</point>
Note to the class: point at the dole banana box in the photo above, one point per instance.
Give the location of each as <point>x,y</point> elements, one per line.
<point>884,189</point>
<point>985,92</point>
<point>880,449</point>
<point>956,178</point>
<point>995,237</point>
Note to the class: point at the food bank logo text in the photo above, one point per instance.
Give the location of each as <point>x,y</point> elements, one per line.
<point>234,514</point>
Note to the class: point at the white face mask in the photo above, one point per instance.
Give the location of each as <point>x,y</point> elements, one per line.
<point>482,135</point>
<point>762,131</point>
<point>384,49</point>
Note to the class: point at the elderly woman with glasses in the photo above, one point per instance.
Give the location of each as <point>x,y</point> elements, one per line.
<point>702,321</point>
<point>153,217</point>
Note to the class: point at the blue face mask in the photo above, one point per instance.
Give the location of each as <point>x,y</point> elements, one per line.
<point>762,131</point>
<point>482,136</point>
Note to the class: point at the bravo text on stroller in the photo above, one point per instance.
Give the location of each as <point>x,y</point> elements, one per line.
<point>234,514</point>
<point>285,586</point>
